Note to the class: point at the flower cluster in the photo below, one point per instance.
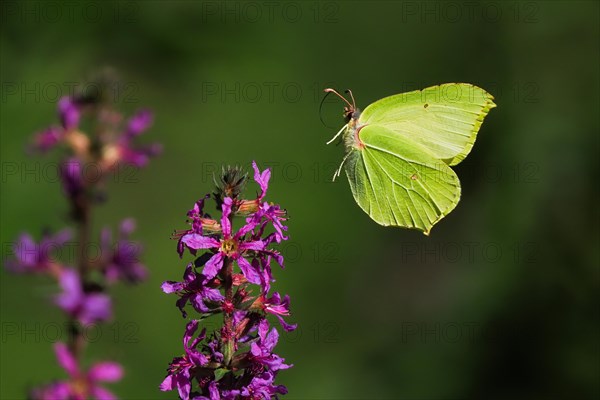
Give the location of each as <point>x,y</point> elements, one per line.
<point>237,360</point>
<point>83,280</point>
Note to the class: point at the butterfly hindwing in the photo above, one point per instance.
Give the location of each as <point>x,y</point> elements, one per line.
<point>398,182</point>
<point>444,119</point>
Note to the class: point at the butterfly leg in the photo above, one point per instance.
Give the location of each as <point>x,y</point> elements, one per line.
<point>339,170</point>
<point>337,134</point>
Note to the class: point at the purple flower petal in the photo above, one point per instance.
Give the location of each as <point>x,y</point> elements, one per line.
<point>127,227</point>
<point>182,380</point>
<point>213,266</point>
<point>167,384</point>
<point>248,270</point>
<point>106,372</point>
<point>262,179</point>
<point>140,122</point>
<point>47,139</point>
<point>99,393</point>
<point>257,245</point>
<point>171,286</point>
<point>71,177</point>
<point>190,329</point>
<point>95,307</point>
<point>72,294</point>
<point>225,223</point>
<point>65,359</point>
<point>69,112</point>
<point>196,242</point>
<point>287,327</point>
<point>212,294</point>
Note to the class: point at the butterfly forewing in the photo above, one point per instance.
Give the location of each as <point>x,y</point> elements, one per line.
<point>444,119</point>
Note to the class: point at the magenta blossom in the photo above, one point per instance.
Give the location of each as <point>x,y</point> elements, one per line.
<point>195,215</point>
<point>262,178</point>
<point>278,307</point>
<point>71,175</point>
<point>239,361</point>
<point>47,139</point>
<point>130,153</point>
<point>232,246</point>
<point>69,113</point>
<point>139,123</point>
<point>261,351</point>
<point>194,291</point>
<point>122,258</point>
<point>36,257</point>
<point>87,308</point>
<point>81,385</point>
<point>182,368</point>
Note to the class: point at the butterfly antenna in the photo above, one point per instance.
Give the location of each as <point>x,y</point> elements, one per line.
<point>321,113</point>
<point>329,90</point>
<point>352,97</point>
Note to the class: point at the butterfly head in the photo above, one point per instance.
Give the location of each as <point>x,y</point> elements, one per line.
<point>350,110</point>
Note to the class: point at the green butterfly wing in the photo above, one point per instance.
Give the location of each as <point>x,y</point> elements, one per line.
<point>399,182</point>
<point>444,119</point>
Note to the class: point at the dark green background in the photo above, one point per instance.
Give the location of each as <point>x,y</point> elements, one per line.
<point>500,302</point>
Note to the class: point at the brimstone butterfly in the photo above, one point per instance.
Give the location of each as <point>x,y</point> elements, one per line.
<point>399,151</point>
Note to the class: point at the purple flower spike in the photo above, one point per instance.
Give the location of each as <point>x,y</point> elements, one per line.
<point>34,257</point>
<point>238,361</point>
<point>69,113</point>
<point>140,122</point>
<point>87,308</point>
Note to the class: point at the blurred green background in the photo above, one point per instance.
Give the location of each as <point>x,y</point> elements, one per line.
<point>500,302</point>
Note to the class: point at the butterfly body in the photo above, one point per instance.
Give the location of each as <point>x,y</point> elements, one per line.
<point>399,151</point>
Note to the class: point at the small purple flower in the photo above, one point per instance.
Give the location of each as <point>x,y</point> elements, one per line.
<point>232,246</point>
<point>213,393</point>
<point>261,351</point>
<point>196,215</point>
<point>239,360</point>
<point>82,385</point>
<point>122,258</point>
<point>181,369</point>
<point>71,175</point>
<point>34,257</point>
<point>52,391</point>
<point>262,178</point>
<point>127,151</point>
<point>47,139</point>
<point>69,113</point>
<point>280,308</point>
<point>262,387</point>
<point>140,122</point>
<point>194,291</point>
<point>85,307</point>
